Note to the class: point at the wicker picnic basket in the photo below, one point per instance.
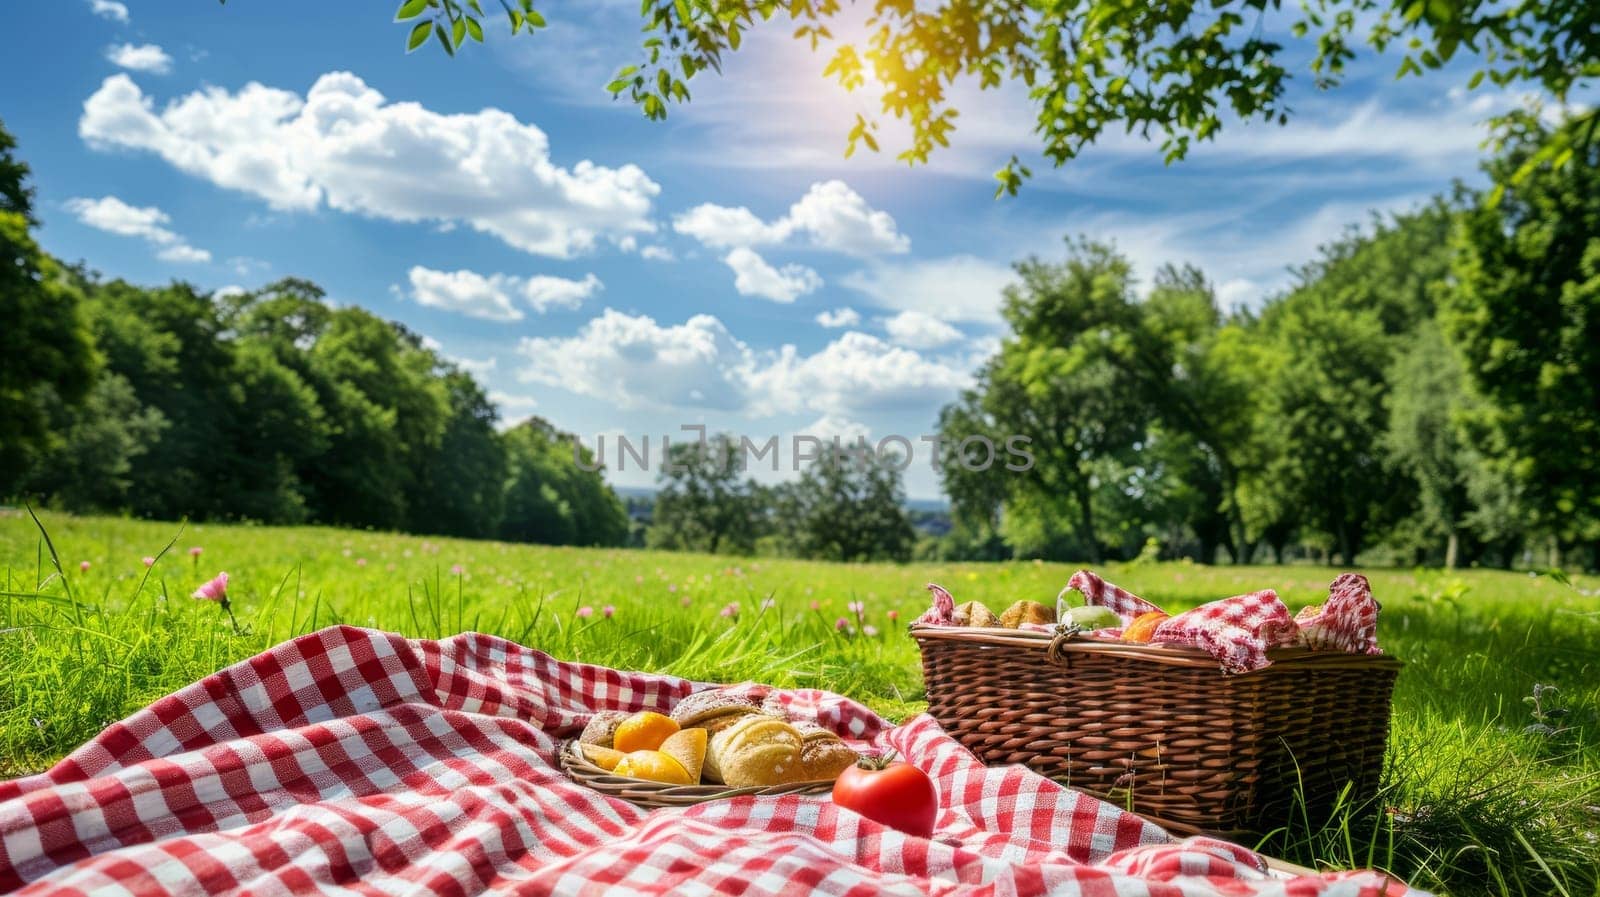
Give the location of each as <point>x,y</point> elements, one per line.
<point>1162,730</point>
<point>651,795</point>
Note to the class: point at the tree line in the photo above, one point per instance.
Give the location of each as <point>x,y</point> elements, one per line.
<point>1427,391</point>
<point>269,406</point>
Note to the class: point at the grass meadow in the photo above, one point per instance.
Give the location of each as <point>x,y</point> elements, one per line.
<point>1485,791</point>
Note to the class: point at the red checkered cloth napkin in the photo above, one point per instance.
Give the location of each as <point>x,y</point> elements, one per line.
<point>350,761</point>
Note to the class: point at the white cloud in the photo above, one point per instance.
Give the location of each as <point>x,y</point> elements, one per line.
<point>109,9</point>
<point>231,289</point>
<point>831,426</point>
<point>829,216</point>
<point>478,368</point>
<point>754,277</point>
<point>657,254</point>
<point>344,145</point>
<point>467,292</point>
<point>142,58</point>
<point>635,363</point>
<point>112,215</point>
<point>180,252</point>
<point>513,406</point>
<point>839,317</point>
<point>544,292</point>
<point>855,374</point>
<point>919,331</point>
<point>491,297</point>
<point>836,218</point>
<point>721,227</point>
<point>953,288</point>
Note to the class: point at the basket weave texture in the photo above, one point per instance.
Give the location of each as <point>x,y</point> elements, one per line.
<point>1161,730</point>
<point>657,794</point>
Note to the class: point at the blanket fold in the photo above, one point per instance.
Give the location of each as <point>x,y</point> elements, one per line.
<point>355,761</point>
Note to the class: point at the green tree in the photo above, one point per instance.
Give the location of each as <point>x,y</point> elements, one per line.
<point>1526,317</point>
<point>703,505</point>
<point>1425,439</point>
<point>89,469</point>
<point>46,350</point>
<point>1055,381</point>
<point>1175,71</point>
<point>848,505</point>
<point>461,489</point>
<point>554,492</point>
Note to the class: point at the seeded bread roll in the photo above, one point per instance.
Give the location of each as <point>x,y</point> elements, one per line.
<point>602,726</point>
<point>701,707</point>
<point>1026,612</point>
<point>974,613</point>
<point>756,751</point>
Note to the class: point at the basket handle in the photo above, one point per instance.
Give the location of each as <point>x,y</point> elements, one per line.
<point>1057,656</point>
<point>1062,605</point>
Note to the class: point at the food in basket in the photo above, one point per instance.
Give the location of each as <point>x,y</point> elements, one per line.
<point>1026,611</point>
<point>1091,617</point>
<point>974,613</point>
<point>602,727</point>
<point>654,766</point>
<point>757,750</point>
<point>712,709</point>
<point>603,757</point>
<point>643,731</point>
<point>688,747</point>
<point>823,755</point>
<point>1143,627</point>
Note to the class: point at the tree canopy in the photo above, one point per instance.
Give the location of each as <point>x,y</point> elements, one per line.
<point>1171,72</point>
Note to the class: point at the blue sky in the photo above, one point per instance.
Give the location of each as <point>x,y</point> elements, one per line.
<point>727,267</point>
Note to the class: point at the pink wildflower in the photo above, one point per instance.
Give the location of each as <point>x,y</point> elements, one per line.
<point>455,569</point>
<point>195,551</point>
<point>586,611</point>
<point>149,562</point>
<point>731,610</point>
<point>894,615</point>
<point>214,590</point>
<point>361,562</point>
<point>608,610</point>
<point>83,566</point>
<point>855,607</point>
<point>815,604</point>
<point>686,601</point>
<point>841,624</point>
<point>672,587</point>
<point>870,631</point>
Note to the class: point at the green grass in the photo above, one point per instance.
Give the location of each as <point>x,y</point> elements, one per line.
<point>1472,803</point>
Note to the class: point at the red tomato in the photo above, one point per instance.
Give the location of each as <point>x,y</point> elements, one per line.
<point>898,795</point>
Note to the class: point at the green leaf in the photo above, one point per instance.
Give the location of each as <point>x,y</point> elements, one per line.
<point>418,35</point>
<point>458,30</point>
<point>474,29</point>
<point>733,36</point>
<point>410,10</point>
<point>535,18</point>
<point>444,38</point>
<point>617,86</point>
<point>1475,80</point>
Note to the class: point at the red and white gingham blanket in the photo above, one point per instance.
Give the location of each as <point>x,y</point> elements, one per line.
<point>350,761</point>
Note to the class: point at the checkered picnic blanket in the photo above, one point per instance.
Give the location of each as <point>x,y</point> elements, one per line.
<point>350,761</point>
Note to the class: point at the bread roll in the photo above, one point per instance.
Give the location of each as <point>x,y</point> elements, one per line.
<point>755,751</point>
<point>974,613</point>
<point>1026,612</point>
<point>602,727</point>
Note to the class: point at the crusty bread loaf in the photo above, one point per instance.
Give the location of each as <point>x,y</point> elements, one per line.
<point>1026,612</point>
<point>974,613</point>
<point>757,750</point>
